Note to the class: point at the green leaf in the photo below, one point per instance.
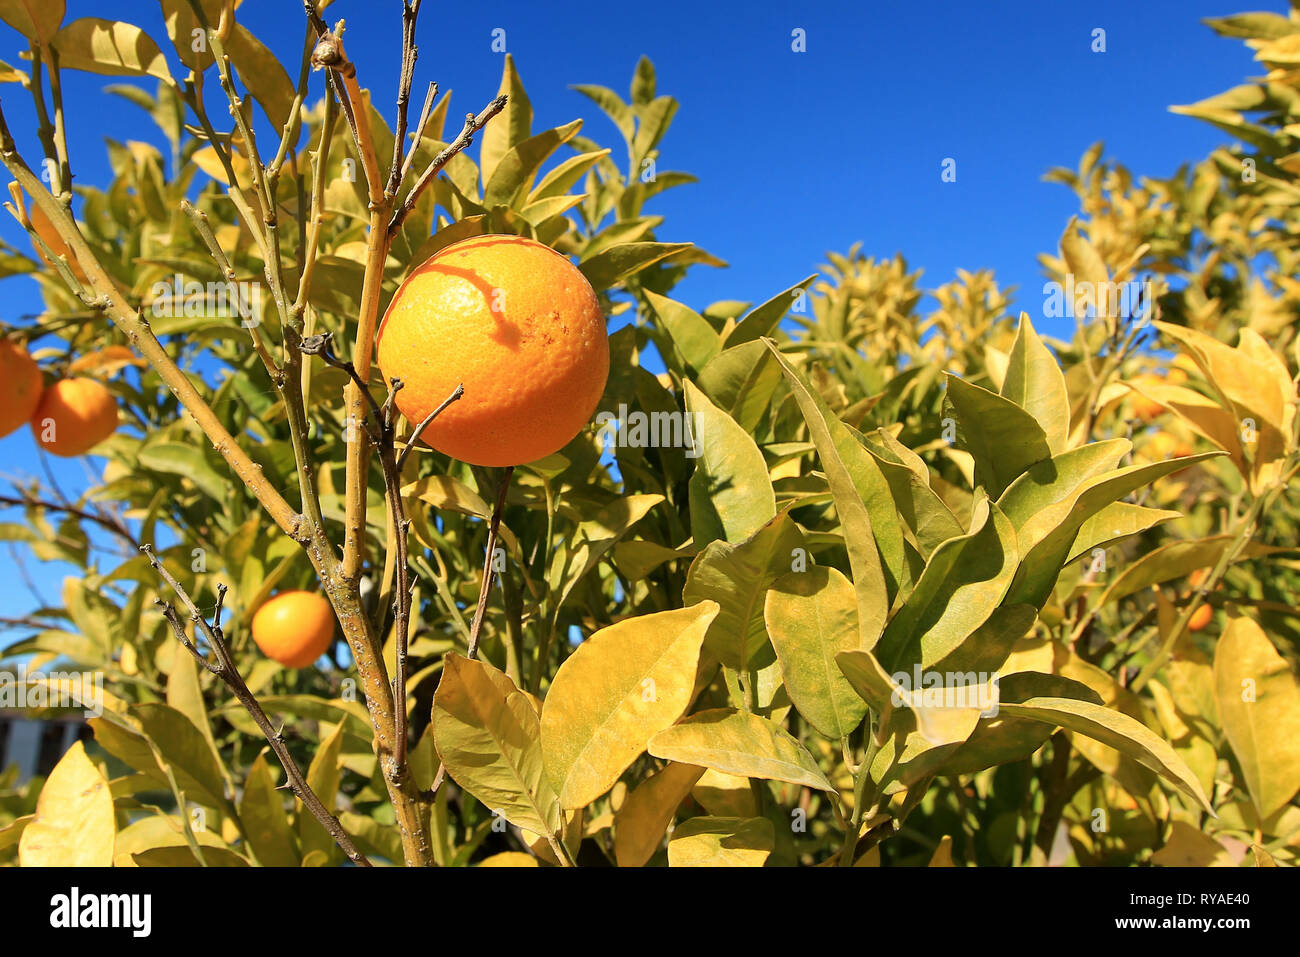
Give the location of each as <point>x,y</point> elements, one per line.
<point>1052,531</point>
<point>619,262</point>
<point>187,461</point>
<point>110,47</point>
<point>691,333</point>
<point>1269,26</point>
<point>863,502</point>
<point>810,617</point>
<point>618,688</point>
<point>1002,437</point>
<point>1049,483</point>
<point>763,320</point>
<point>266,826</point>
<point>741,380</point>
<point>488,735</point>
<point>612,105</point>
<point>736,578</point>
<point>180,856</point>
<point>514,172</point>
<point>722,842</point>
<point>323,778</point>
<point>508,128</point>
<point>557,181</point>
<point>925,513</point>
<point>1034,382</point>
<point>1002,738</point>
<point>177,742</point>
<point>1259,705</point>
<point>1166,563</point>
<point>1117,730</point>
<point>262,73</point>
<point>643,82</point>
<point>742,744</point>
<point>731,494</point>
<point>1117,521</point>
<point>964,581</point>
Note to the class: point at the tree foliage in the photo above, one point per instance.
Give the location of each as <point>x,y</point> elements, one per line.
<point>696,649</point>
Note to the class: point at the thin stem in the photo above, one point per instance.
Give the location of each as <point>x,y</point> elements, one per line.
<point>488,564</point>
<point>225,669</point>
<point>472,125</point>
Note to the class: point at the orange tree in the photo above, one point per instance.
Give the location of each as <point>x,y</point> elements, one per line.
<point>853,584</point>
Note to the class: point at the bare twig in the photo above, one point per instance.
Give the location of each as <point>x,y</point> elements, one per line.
<point>472,125</point>
<point>224,668</point>
<point>428,421</point>
<point>106,521</point>
<point>488,570</point>
<point>410,11</point>
<point>425,113</point>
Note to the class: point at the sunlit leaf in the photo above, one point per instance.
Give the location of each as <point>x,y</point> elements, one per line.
<point>721,842</point>
<point>74,825</point>
<point>742,744</point>
<point>616,690</point>
<point>1259,703</point>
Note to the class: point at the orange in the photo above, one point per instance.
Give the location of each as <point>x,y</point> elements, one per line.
<point>73,416</point>
<point>1200,618</point>
<point>294,628</point>
<point>1162,446</point>
<point>20,386</point>
<point>520,326</point>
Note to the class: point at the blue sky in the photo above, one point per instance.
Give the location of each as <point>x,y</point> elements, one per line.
<point>796,152</point>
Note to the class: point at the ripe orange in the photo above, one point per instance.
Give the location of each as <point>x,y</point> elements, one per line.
<point>1200,618</point>
<point>73,416</point>
<point>520,326</point>
<point>294,628</point>
<point>20,386</point>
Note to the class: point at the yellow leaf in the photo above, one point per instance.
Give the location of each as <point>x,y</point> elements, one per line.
<point>104,362</point>
<point>74,824</point>
<point>1259,704</point>
<point>1262,857</point>
<point>721,842</point>
<point>112,47</point>
<point>725,795</point>
<point>942,856</point>
<point>1189,847</point>
<point>486,732</point>
<point>509,859</point>
<point>641,822</point>
<point>739,743</point>
<point>621,686</point>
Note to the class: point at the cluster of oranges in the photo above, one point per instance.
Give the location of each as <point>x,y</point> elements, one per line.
<point>68,418</point>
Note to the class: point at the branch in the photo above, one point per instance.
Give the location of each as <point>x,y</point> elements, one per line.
<point>383,434</point>
<point>472,125</point>
<point>410,11</point>
<point>428,421</point>
<point>418,135</point>
<point>137,329</point>
<point>329,54</point>
<point>225,669</point>
<point>100,519</point>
